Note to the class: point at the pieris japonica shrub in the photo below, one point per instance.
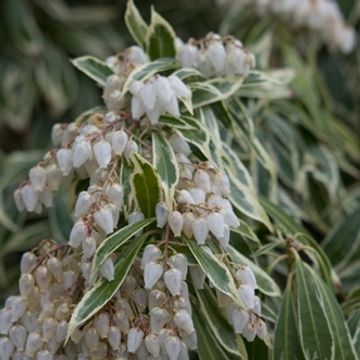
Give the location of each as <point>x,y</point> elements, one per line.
<point>163,259</point>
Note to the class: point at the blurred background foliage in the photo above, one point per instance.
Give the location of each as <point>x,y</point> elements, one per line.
<point>309,140</point>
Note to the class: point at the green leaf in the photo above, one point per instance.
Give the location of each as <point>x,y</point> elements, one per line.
<point>208,347</point>
<point>315,335</point>
<point>216,271</point>
<point>342,342</point>
<point>135,23</point>
<point>265,283</point>
<point>146,186</point>
<point>126,171</point>
<point>160,38</point>
<point>147,70</point>
<point>164,161</point>
<point>116,240</point>
<point>286,337</point>
<point>93,68</point>
<point>245,230</point>
<point>221,329</point>
<point>104,290</point>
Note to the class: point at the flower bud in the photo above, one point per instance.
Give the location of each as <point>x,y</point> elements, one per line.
<point>156,298</point>
<point>28,260</point>
<point>224,240</point>
<point>197,276</point>
<point>49,327</point>
<point>55,267</point>
<point>119,141</point>
<point>152,344</point>
<point>5,321</point>
<point>239,319</point>
<point>102,324</point>
<point>78,234</point>
<point>180,89</point>
<point>187,227</point>
<point>131,148</point>
<point>188,55</point>
<point>107,269</point>
<point>44,355</point>
<point>18,337</point>
<point>102,152</point>
<point>172,347</point>
<point>162,214</point>
<point>176,222</point>
<point>81,152</point>
<point>135,216</point>
<point>33,344</point>
<point>137,108</point>
<point>42,277</point>
<point>18,307</point>
<point>249,331</point>
<point>19,202</point>
<point>114,337</point>
<point>247,296</point>
<point>121,320</point>
<point>83,203</point>
<point>151,254</point>
<point>37,176</point>
<point>69,279</point>
<point>30,197</point>
<point>47,198</point>
<point>173,281</point>
<point>183,321</point>
<point>257,306</point>
<point>202,180</point>
<point>64,159</point>
<point>261,331</point>
<point>200,230</point>
<point>105,220</point>
<point>179,261</point>
<point>89,247</point>
<point>246,276</point>
<point>6,348</point>
<point>91,338</point>
<point>115,192</point>
<point>62,311</point>
<point>216,224</point>
<point>185,197</point>
<point>158,319</point>
<point>57,133</point>
<point>134,340</point>
<point>61,331</point>
<point>198,195</point>
<point>230,218</point>
<point>26,284</point>
<point>179,144</point>
<point>152,274</point>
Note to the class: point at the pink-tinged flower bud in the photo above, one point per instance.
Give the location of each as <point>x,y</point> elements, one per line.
<point>137,108</point>
<point>116,194</point>
<point>83,203</point>
<point>42,277</point>
<point>5,321</point>
<point>152,274</point>
<point>55,267</point>
<point>156,298</point>
<point>19,202</point>
<point>216,224</point>
<point>173,281</point>
<point>179,144</point>
<point>172,346</point>
<point>102,152</point>
<point>239,319</point>
<point>202,180</point>
<point>89,247</point>
<point>247,296</point>
<point>134,340</point>
<point>104,219</point>
<point>6,348</point>
<point>198,195</point>
<point>30,197</point>
<point>200,230</point>
<point>81,152</point>
<point>33,344</point>
<point>184,197</point>
<point>152,344</point>
<point>114,337</point>
<point>49,327</point>
<point>37,176</point>
<point>26,285</point>
<point>261,331</point>
<point>61,331</point>
<point>176,222</point>
<point>197,276</point>
<point>130,149</point>
<point>18,307</point>
<point>119,141</point>
<point>183,321</point>
<point>246,276</point>
<point>162,214</point>
<point>179,261</point>
<point>250,330</point>
<point>91,338</point>
<point>107,269</point>
<point>102,324</point>
<point>158,319</point>
<point>64,159</point>
<point>151,254</point>
<point>180,89</point>
<point>121,320</point>
<point>224,240</point>
<point>28,261</point>
<point>44,355</point>
<point>78,234</point>
<point>17,335</point>
<point>187,227</point>
<point>69,279</point>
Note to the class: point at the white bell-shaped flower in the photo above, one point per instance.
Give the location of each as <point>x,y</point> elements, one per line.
<point>44,355</point>
<point>184,197</point>
<point>137,108</point>
<point>64,159</point>
<point>107,269</point>
<point>6,348</point>
<point>30,197</point>
<point>33,344</point>
<point>250,330</point>
<point>200,230</point>
<point>151,254</point>
<point>188,55</point>
<point>78,234</point>
<point>261,331</point>
<point>198,195</point>
<point>163,89</point>
<point>172,347</point>
<point>19,202</point>
<point>17,335</point>
<point>49,327</point>
<point>216,224</point>
<point>179,144</point>
<point>81,152</point>
<point>136,55</point>
<point>83,203</point>
<point>104,219</point>
<point>176,222</point>
<point>37,176</point>
<point>172,106</point>
<point>102,324</point>
<point>239,319</point>
<point>130,149</point>
<point>152,274</point>
<point>179,261</point>
<point>116,194</point>
<point>5,321</point>
<point>217,55</point>
<point>156,298</point>
<point>119,141</point>
<point>134,340</point>
<point>158,319</point>
<point>202,180</point>
<point>247,296</point>
<point>154,114</point>
<point>197,276</point>
<point>148,96</point>
<point>114,337</point>
<point>225,239</point>
<point>173,281</point>
<point>183,321</point>
<point>55,267</point>
<point>28,260</point>
<point>135,217</point>
<point>26,284</point>
<point>91,338</point>
<point>180,89</point>
<point>102,153</point>
<point>187,226</point>
<point>246,276</point>
<point>18,307</point>
<point>152,344</point>
<point>89,247</point>
<point>162,214</point>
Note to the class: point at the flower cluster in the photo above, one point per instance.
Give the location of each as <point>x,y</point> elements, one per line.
<point>322,16</point>
<point>216,56</point>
